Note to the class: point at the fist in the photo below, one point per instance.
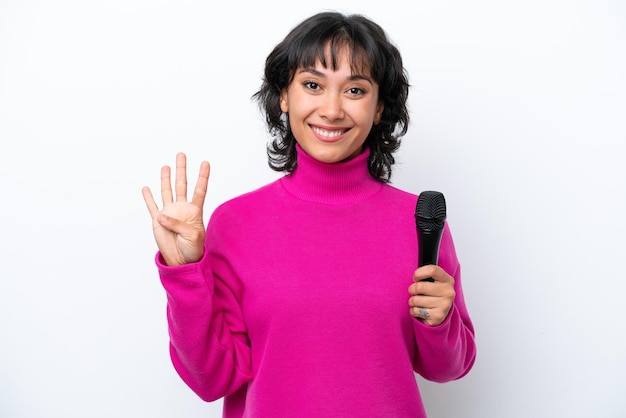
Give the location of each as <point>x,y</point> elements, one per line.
<point>430,301</point>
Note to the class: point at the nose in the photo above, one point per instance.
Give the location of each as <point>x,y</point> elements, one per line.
<point>331,107</point>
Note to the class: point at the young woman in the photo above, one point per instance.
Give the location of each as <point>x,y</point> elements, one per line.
<point>293,301</point>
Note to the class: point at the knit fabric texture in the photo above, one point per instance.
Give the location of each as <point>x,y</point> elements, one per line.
<point>299,307</point>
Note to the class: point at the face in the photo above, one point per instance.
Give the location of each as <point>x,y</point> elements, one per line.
<point>331,112</point>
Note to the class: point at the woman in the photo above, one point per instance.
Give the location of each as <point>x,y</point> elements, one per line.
<point>293,301</point>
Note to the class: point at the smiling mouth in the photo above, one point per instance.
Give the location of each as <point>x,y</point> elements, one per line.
<point>329,134</point>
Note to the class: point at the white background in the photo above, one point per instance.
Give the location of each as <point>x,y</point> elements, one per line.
<point>518,117</point>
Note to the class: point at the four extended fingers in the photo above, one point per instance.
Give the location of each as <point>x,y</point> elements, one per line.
<point>180,185</point>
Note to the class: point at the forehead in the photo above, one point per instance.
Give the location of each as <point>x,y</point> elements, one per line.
<point>333,56</point>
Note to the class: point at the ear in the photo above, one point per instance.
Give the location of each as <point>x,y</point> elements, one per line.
<point>284,106</point>
<point>379,112</point>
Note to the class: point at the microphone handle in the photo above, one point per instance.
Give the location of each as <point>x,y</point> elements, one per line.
<point>429,249</point>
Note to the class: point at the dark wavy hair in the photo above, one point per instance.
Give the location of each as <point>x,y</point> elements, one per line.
<point>369,49</point>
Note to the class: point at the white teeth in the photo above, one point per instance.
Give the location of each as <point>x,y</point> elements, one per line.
<point>327,133</point>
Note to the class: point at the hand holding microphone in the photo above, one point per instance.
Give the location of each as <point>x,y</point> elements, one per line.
<point>433,293</point>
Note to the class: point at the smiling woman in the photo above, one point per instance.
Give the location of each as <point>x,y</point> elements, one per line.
<point>517,113</point>
<point>303,297</point>
<point>339,73</point>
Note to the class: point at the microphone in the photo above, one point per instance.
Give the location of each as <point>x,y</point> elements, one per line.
<point>430,214</point>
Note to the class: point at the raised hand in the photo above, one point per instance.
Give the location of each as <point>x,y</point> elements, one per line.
<point>179,227</point>
<point>431,302</point>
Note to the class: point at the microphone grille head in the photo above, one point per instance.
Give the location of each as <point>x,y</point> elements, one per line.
<point>430,211</point>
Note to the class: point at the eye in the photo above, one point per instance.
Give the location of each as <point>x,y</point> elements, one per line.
<point>311,85</point>
<point>356,91</point>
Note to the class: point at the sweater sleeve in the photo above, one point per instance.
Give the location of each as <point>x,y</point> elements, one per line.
<point>447,351</point>
<point>208,341</point>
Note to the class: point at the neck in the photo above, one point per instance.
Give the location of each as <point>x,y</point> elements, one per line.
<point>331,183</point>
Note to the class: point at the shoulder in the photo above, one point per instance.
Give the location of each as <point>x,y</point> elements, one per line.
<point>397,199</point>
<point>246,203</point>
<point>399,193</point>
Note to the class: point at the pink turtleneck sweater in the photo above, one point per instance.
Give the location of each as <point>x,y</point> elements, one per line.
<point>299,307</point>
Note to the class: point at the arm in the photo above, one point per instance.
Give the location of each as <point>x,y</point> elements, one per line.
<point>208,344</point>
<point>444,333</point>
<point>208,340</point>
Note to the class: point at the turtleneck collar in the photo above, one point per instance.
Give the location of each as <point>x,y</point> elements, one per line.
<point>331,183</point>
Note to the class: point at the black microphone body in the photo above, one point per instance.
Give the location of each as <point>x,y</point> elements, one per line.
<point>430,216</point>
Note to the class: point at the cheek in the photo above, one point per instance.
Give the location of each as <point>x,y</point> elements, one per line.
<point>365,114</point>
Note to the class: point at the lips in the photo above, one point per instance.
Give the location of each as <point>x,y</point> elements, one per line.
<point>328,135</point>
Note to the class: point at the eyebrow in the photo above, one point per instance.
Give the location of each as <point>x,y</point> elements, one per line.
<point>353,77</point>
